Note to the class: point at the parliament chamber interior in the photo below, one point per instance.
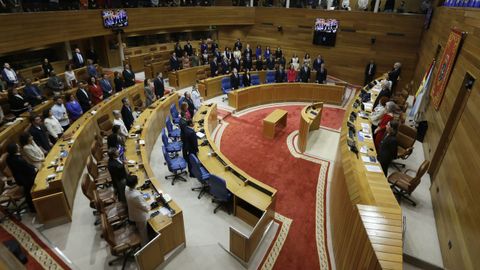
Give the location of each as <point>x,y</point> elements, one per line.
<point>186,134</point>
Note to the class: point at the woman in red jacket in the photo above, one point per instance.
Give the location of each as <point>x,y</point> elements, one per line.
<point>95,91</point>
<point>292,74</point>
<point>379,133</point>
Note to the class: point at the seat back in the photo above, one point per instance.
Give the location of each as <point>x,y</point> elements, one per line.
<point>180,101</point>
<point>418,177</point>
<point>86,190</point>
<point>195,167</point>
<point>92,167</point>
<point>408,131</point>
<point>4,169</point>
<point>270,78</point>
<point>173,111</point>
<point>255,79</point>
<point>105,124</point>
<point>226,85</point>
<point>164,137</point>
<point>137,101</point>
<point>168,124</point>
<point>107,232</point>
<point>404,140</point>
<point>218,188</point>
<point>168,160</point>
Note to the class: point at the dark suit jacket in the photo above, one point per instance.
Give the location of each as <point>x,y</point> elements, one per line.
<point>213,68</point>
<point>129,78</point>
<point>47,68</point>
<point>270,64</point>
<point>317,64</point>
<point>174,64</point>
<point>31,93</point>
<point>235,81</point>
<point>178,51</point>
<point>321,76</point>
<point>247,80</point>
<point>247,63</point>
<point>127,117</point>
<point>76,60</point>
<point>304,75</point>
<point>106,88</point>
<point>383,93</point>
<point>225,67</point>
<point>259,65</point>
<point>247,51</point>
<point>370,73</point>
<point>191,107</point>
<point>119,174</point>
<point>17,104</point>
<point>393,76</point>
<point>159,86</point>
<point>280,76</point>
<point>238,45</point>
<point>189,49</point>
<point>118,82</point>
<point>40,136</point>
<point>83,99</point>
<point>235,64</point>
<point>190,141</point>
<point>388,149</point>
<point>23,172</point>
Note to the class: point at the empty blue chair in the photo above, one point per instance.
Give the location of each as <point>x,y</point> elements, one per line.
<point>270,77</point>
<point>176,165</point>
<point>171,147</point>
<point>175,114</point>
<point>200,173</point>
<point>254,79</point>
<point>172,133</point>
<point>226,87</point>
<point>180,101</point>
<point>220,193</point>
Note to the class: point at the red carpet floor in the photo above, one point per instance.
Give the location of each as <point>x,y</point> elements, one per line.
<point>295,179</point>
<point>39,254</point>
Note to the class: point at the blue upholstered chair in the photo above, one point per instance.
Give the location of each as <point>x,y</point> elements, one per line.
<point>173,133</point>
<point>180,101</point>
<point>171,147</point>
<point>270,77</point>
<point>175,114</point>
<point>220,193</point>
<point>176,165</point>
<point>226,87</point>
<point>255,80</point>
<point>200,173</point>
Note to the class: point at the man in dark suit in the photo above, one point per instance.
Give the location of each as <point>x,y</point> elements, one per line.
<point>188,48</point>
<point>385,92</point>
<point>394,74</point>
<point>213,46</point>
<point>78,58</point>
<point>32,93</point>
<point>174,63</point>
<point>370,71</point>
<point>247,62</point>
<point>117,171</point>
<point>318,61</point>
<point>217,55</point>
<point>106,86</point>
<point>83,97</point>
<point>127,115</point>
<point>190,143</point>
<point>159,85</point>
<point>178,49</point>
<point>225,66</point>
<point>281,61</point>
<point>40,134</point>
<point>238,45</point>
<point>23,172</point>
<point>234,80</point>
<point>247,79</point>
<point>304,74</point>
<point>280,75</point>
<point>214,67</point>
<point>388,147</point>
<point>270,63</point>
<point>248,50</point>
<point>321,74</point>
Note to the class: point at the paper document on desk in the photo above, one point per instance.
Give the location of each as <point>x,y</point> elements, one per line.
<point>368,106</point>
<point>373,168</point>
<point>364,149</point>
<point>141,142</point>
<point>167,197</point>
<point>368,159</point>
<point>164,211</point>
<point>365,125</point>
<point>200,135</point>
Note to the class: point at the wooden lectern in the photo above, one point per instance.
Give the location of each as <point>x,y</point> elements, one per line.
<point>309,120</point>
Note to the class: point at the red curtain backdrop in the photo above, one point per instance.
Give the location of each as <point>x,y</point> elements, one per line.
<point>445,68</point>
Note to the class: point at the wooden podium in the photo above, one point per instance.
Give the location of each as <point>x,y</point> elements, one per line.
<point>309,120</point>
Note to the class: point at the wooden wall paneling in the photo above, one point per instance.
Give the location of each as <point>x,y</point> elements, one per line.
<point>456,184</point>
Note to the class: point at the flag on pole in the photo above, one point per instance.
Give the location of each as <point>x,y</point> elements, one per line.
<point>421,97</point>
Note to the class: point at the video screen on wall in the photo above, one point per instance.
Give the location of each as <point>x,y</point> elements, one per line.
<point>114,18</point>
<point>325,32</point>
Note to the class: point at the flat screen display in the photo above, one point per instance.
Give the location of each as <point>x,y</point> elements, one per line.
<point>114,18</point>
<point>325,32</point>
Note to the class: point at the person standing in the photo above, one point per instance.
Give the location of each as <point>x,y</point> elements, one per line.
<point>118,82</point>
<point>9,75</point>
<point>159,85</point>
<point>106,86</point>
<point>32,153</point>
<point>117,121</point>
<point>46,67</point>
<point>280,75</point>
<point>370,71</point>
<point>23,172</point>
<point>379,132</point>
<point>214,67</point>
<point>234,80</point>
<point>247,79</point>
<point>60,112</point>
<point>70,78</point>
<point>52,126</point>
<point>304,73</point>
<point>128,76</point>
<point>39,134</point>
<point>78,59</point>
<point>389,146</point>
<point>127,115</point>
<point>117,171</point>
<point>73,107</point>
<point>83,97</point>
<point>137,207</point>
<point>149,95</point>
<point>190,142</point>
<point>322,74</point>
<point>95,91</point>
<point>394,74</point>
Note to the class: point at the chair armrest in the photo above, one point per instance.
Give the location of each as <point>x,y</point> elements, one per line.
<point>121,248</point>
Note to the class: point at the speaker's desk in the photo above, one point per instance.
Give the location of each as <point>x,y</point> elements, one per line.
<point>212,87</point>
<point>185,77</point>
<point>54,198</point>
<point>310,119</point>
<point>138,149</point>
<point>366,220</point>
<point>282,92</point>
<point>275,118</point>
<point>253,201</point>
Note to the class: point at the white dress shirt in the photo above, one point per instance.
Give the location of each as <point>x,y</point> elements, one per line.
<point>136,205</point>
<point>80,58</point>
<point>12,76</point>
<point>53,126</point>
<point>60,112</point>
<point>123,128</point>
